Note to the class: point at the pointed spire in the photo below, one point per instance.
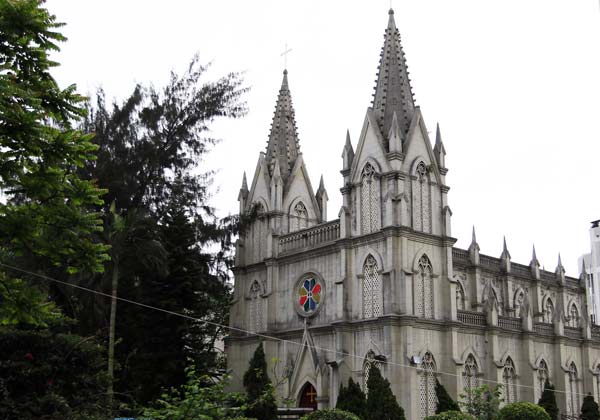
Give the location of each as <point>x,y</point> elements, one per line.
<point>560,270</point>
<point>243,194</point>
<point>534,265</point>
<point>244,183</point>
<point>321,184</point>
<point>322,198</point>
<point>505,257</point>
<point>283,145</point>
<point>473,236</point>
<point>393,91</point>
<point>347,153</point>
<point>474,249</point>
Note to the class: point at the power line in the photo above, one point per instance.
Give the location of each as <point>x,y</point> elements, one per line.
<point>265,336</point>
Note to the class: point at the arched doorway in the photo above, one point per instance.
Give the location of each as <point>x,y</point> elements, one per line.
<point>308,397</point>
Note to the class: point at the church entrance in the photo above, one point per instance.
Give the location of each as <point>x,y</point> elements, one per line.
<point>308,397</point>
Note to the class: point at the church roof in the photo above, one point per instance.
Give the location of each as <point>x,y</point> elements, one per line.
<point>393,92</point>
<point>283,145</point>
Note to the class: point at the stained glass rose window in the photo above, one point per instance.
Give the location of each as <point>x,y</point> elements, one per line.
<point>309,295</point>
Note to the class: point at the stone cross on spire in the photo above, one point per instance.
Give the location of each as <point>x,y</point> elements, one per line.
<point>393,92</point>
<point>283,145</point>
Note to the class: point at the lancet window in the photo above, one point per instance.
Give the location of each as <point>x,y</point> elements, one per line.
<point>427,381</point>
<point>258,233</point>
<point>470,376</point>
<point>256,310</point>
<point>573,316</point>
<point>370,362</point>
<point>422,199</point>
<point>299,217</point>
<point>424,289</point>
<point>372,293</point>
<point>573,405</point>
<point>543,375</point>
<point>370,200</point>
<point>509,381</point>
<point>549,311</point>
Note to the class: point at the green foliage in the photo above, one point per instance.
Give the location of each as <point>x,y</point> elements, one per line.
<point>352,399</point>
<point>445,401</point>
<point>259,390</point>
<point>199,398</point>
<point>482,402</point>
<point>589,409</point>
<point>523,411</point>
<point>548,401</point>
<point>335,414</point>
<point>381,402</point>
<point>51,376</point>
<point>450,415</point>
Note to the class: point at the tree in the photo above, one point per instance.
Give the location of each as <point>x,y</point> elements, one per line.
<point>589,409</point>
<point>445,401</point>
<point>352,399</point>
<point>522,411</point>
<point>450,415</point>
<point>381,402</point>
<point>548,401</point>
<point>259,390</point>
<point>482,402</point>
<point>335,414</point>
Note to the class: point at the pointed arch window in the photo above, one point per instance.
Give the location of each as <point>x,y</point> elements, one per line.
<point>299,217</point>
<point>573,405</point>
<point>470,377</point>
<point>573,316</point>
<point>422,199</point>
<point>372,293</point>
<point>370,200</point>
<point>543,375</point>
<point>427,381</point>
<point>256,309</point>
<point>549,311</point>
<point>460,297</point>
<point>258,233</point>
<point>369,363</point>
<point>424,289</point>
<point>509,379</point>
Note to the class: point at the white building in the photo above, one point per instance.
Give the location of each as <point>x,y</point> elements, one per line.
<point>590,266</point>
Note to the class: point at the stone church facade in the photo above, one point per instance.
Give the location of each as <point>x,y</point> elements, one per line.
<point>383,284</point>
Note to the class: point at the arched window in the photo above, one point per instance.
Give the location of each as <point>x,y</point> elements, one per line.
<point>422,199</point>
<point>427,382</point>
<point>258,234</point>
<point>370,200</point>
<point>256,311</point>
<point>549,311</point>
<point>543,375</point>
<point>372,295</point>
<point>460,297</point>
<point>509,381</point>
<point>424,289</point>
<point>470,377</point>
<point>299,217</point>
<point>518,303</point>
<point>573,405</point>
<point>573,316</point>
<point>370,361</point>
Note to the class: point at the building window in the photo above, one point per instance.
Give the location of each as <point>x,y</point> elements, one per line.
<point>372,296</point>
<point>370,362</point>
<point>573,317</point>
<point>549,311</point>
<point>470,377</point>
<point>460,297</point>
<point>424,289</point>
<point>299,217</point>
<point>427,380</point>
<point>509,380</point>
<point>543,375</point>
<point>256,311</point>
<point>573,391</point>
<point>370,200</point>
<point>422,200</point>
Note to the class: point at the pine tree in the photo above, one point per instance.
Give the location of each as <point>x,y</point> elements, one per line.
<point>445,401</point>
<point>381,402</point>
<point>352,399</point>
<point>589,409</point>
<point>259,390</point>
<point>548,401</point>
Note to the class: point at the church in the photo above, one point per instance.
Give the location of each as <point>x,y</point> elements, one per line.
<point>383,285</point>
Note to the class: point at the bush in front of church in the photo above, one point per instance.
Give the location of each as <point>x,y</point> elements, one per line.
<point>259,390</point>
<point>352,399</point>
<point>548,401</point>
<point>334,414</point>
<point>451,415</point>
<point>589,409</point>
<point>445,401</point>
<point>523,411</point>
<point>381,402</point>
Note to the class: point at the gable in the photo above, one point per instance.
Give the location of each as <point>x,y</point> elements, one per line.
<point>369,149</point>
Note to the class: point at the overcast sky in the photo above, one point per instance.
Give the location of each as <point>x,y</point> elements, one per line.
<point>514,84</point>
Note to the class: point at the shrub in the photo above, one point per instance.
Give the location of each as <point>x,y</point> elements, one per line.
<point>445,401</point>
<point>352,399</point>
<point>451,415</point>
<point>548,401</point>
<point>523,411</point>
<point>381,402</point>
<point>259,390</point>
<point>334,414</point>
<point>589,409</point>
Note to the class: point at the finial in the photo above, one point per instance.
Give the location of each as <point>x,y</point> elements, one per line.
<point>438,134</point>
<point>244,182</point>
<point>559,260</point>
<point>504,246</point>
<point>321,183</point>
<point>533,256</point>
<point>473,237</point>
<point>348,142</point>
<point>285,54</point>
<point>583,270</point>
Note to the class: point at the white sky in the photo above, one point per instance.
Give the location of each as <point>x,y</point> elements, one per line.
<point>514,84</point>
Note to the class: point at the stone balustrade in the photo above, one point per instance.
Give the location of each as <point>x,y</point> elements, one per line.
<point>471,318</point>
<point>311,237</point>
<point>509,322</point>
<point>572,332</point>
<point>543,328</point>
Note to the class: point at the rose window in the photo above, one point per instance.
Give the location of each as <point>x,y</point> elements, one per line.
<point>309,295</point>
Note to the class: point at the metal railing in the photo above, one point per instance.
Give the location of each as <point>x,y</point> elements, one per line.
<point>311,237</point>
<point>509,322</point>
<point>471,318</point>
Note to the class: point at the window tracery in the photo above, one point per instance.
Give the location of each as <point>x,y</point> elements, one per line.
<point>256,310</point>
<point>422,199</point>
<point>509,379</point>
<point>573,391</point>
<point>370,200</point>
<point>299,217</point>
<point>470,376</point>
<point>424,289</point>
<point>427,381</point>
<point>372,293</point>
<point>370,361</point>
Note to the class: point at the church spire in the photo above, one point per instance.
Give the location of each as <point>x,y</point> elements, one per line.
<point>283,145</point>
<point>393,92</point>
